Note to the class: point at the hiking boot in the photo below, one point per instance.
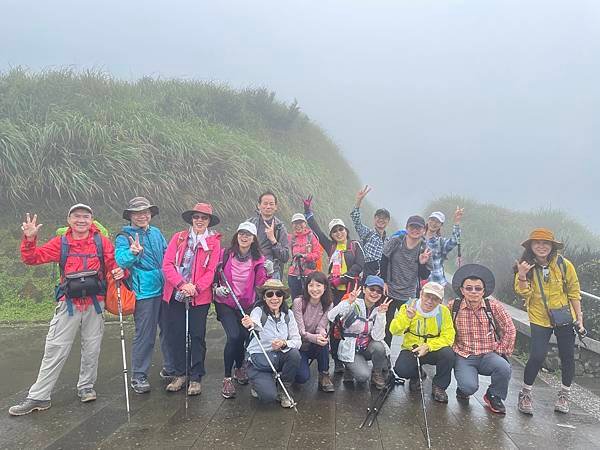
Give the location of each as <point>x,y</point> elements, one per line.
<point>414,385</point>
<point>460,395</point>
<point>378,379</point>
<point>562,402</point>
<point>525,402</point>
<point>165,376</point>
<point>194,388</point>
<point>439,394</point>
<point>86,395</point>
<point>176,384</point>
<point>338,366</point>
<point>228,390</point>
<point>241,375</point>
<point>140,385</point>
<point>494,403</point>
<point>325,383</point>
<point>29,405</point>
<point>348,377</point>
<point>284,399</point>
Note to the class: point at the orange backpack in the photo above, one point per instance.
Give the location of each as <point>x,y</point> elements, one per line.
<point>111,303</point>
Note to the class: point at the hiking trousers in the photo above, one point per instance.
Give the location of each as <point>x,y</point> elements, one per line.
<point>168,364</point>
<point>146,320</point>
<point>62,332</point>
<point>467,371</point>
<point>538,349</point>
<point>375,353</point>
<point>442,359</point>
<point>261,375</point>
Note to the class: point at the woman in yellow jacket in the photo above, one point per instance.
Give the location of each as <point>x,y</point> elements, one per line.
<point>548,284</point>
<point>429,334</point>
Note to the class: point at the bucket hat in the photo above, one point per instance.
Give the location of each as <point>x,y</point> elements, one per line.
<point>272,285</point>
<point>474,271</point>
<point>137,204</point>
<point>542,234</point>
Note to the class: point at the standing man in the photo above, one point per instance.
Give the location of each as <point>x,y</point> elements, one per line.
<point>485,336</point>
<point>85,259</point>
<point>272,235</point>
<point>405,262</point>
<point>373,239</point>
<point>140,249</point>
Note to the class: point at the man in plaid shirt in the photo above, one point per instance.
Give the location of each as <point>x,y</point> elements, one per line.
<point>372,239</point>
<point>485,336</point>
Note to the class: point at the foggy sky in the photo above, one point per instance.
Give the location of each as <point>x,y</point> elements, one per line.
<point>497,100</point>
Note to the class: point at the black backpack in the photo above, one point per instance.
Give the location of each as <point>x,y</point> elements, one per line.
<point>488,312</point>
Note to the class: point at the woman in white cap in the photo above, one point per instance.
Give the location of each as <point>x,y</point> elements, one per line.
<point>346,262</point>
<point>440,246</point>
<point>306,252</point>
<point>189,267</point>
<point>243,267</point>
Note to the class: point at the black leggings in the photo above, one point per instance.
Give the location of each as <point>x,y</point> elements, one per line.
<point>538,349</point>
<point>231,320</point>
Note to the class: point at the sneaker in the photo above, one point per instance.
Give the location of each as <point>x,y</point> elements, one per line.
<point>439,394</point>
<point>241,375</point>
<point>338,366</point>
<point>29,405</point>
<point>325,383</point>
<point>140,385</point>
<point>176,384</point>
<point>562,402</point>
<point>525,402</point>
<point>228,390</point>
<point>378,379</point>
<point>86,395</point>
<point>285,401</point>
<point>165,376</point>
<point>194,388</point>
<point>494,403</point>
<point>460,395</point>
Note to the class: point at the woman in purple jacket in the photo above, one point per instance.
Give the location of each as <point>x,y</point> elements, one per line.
<point>243,266</point>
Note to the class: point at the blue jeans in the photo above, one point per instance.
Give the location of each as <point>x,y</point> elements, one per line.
<point>467,371</point>
<point>314,351</point>
<point>261,374</point>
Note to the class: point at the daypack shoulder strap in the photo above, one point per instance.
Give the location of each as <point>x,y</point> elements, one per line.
<point>490,316</point>
<point>560,262</point>
<point>100,252</point>
<point>264,317</point>
<point>64,252</point>
<point>455,310</point>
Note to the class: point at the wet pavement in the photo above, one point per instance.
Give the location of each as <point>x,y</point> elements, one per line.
<point>323,421</point>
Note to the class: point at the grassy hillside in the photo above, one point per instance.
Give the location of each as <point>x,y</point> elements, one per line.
<point>70,136</point>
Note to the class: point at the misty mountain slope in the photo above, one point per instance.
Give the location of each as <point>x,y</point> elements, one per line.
<point>70,136</point>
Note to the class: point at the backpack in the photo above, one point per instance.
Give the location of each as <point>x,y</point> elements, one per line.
<point>488,312</point>
<point>85,283</point>
<point>560,262</point>
<point>128,298</point>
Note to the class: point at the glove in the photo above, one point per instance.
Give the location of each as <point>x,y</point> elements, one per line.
<point>269,267</point>
<point>222,291</point>
<point>308,204</point>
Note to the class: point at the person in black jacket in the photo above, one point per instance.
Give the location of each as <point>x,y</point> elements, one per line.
<point>346,262</point>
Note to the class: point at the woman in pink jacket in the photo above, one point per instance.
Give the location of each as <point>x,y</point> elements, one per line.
<point>243,266</point>
<point>306,252</point>
<point>189,267</point>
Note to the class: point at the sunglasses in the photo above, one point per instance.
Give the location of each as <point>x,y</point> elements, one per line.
<point>375,290</point>
<point>270,294</point>
<point>338,229</point>
<point>200,217</point>
<point>473,288</point>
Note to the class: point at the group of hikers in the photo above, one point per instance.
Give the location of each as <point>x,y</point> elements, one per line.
<point>348,308</point>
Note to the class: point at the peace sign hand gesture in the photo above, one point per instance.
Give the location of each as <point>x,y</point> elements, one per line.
<point>383,307</point>
<point>424,257</point>
<point>30,227</point>
<point>353,295</point>
<point>362,194</point>
<point>270,232</point>
<point>458,214</point>
<point>134,245</point>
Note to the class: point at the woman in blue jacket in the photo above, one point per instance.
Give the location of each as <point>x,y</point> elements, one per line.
<point>139,248</point>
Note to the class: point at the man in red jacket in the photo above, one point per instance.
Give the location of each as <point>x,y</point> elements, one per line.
<point>85,258</point>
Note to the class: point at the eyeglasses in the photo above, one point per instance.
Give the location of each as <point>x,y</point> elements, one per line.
<point>270,294</point>
<point>375,290</point>
<point>338,229</point>
<point>473,288</point>
<point>200,217</point>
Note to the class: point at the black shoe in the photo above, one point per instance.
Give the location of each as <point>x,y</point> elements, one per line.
<point>494,403</point>
<point>460,395</point>
<point>338,366</point>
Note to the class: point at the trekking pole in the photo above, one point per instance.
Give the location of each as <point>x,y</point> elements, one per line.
<point>120,307</point>
<point>255,335</point>
<point>423,398</point>
<point>187,349</point>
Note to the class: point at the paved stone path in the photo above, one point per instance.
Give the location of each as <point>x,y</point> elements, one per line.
<point>324,421</point>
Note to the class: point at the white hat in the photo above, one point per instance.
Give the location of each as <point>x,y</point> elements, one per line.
<point>79,206</point>
<point>248,226</point>
<point>298,216</point>
<point>438,215</point>
<point>336,222</point>
<point>434,288</point>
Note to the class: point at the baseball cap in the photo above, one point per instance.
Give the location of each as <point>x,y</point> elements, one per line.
<point>415,220</point>
<point>80,206</point>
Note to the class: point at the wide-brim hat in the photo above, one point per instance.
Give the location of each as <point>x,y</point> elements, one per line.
<point>272,284</point>
<point>474,271</point>
<point>203,208</point>
<point>542,234</point>
<point>137,204</point>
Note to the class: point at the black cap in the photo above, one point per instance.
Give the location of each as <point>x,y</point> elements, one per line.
<point>383,212</point>
<point>415,220</point>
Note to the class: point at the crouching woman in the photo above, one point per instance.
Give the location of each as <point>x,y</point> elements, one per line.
<point>278,333</point>
<point>363,332</point>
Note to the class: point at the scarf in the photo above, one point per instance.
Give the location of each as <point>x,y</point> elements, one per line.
<point>185,269</point>
<point>428,315</point>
